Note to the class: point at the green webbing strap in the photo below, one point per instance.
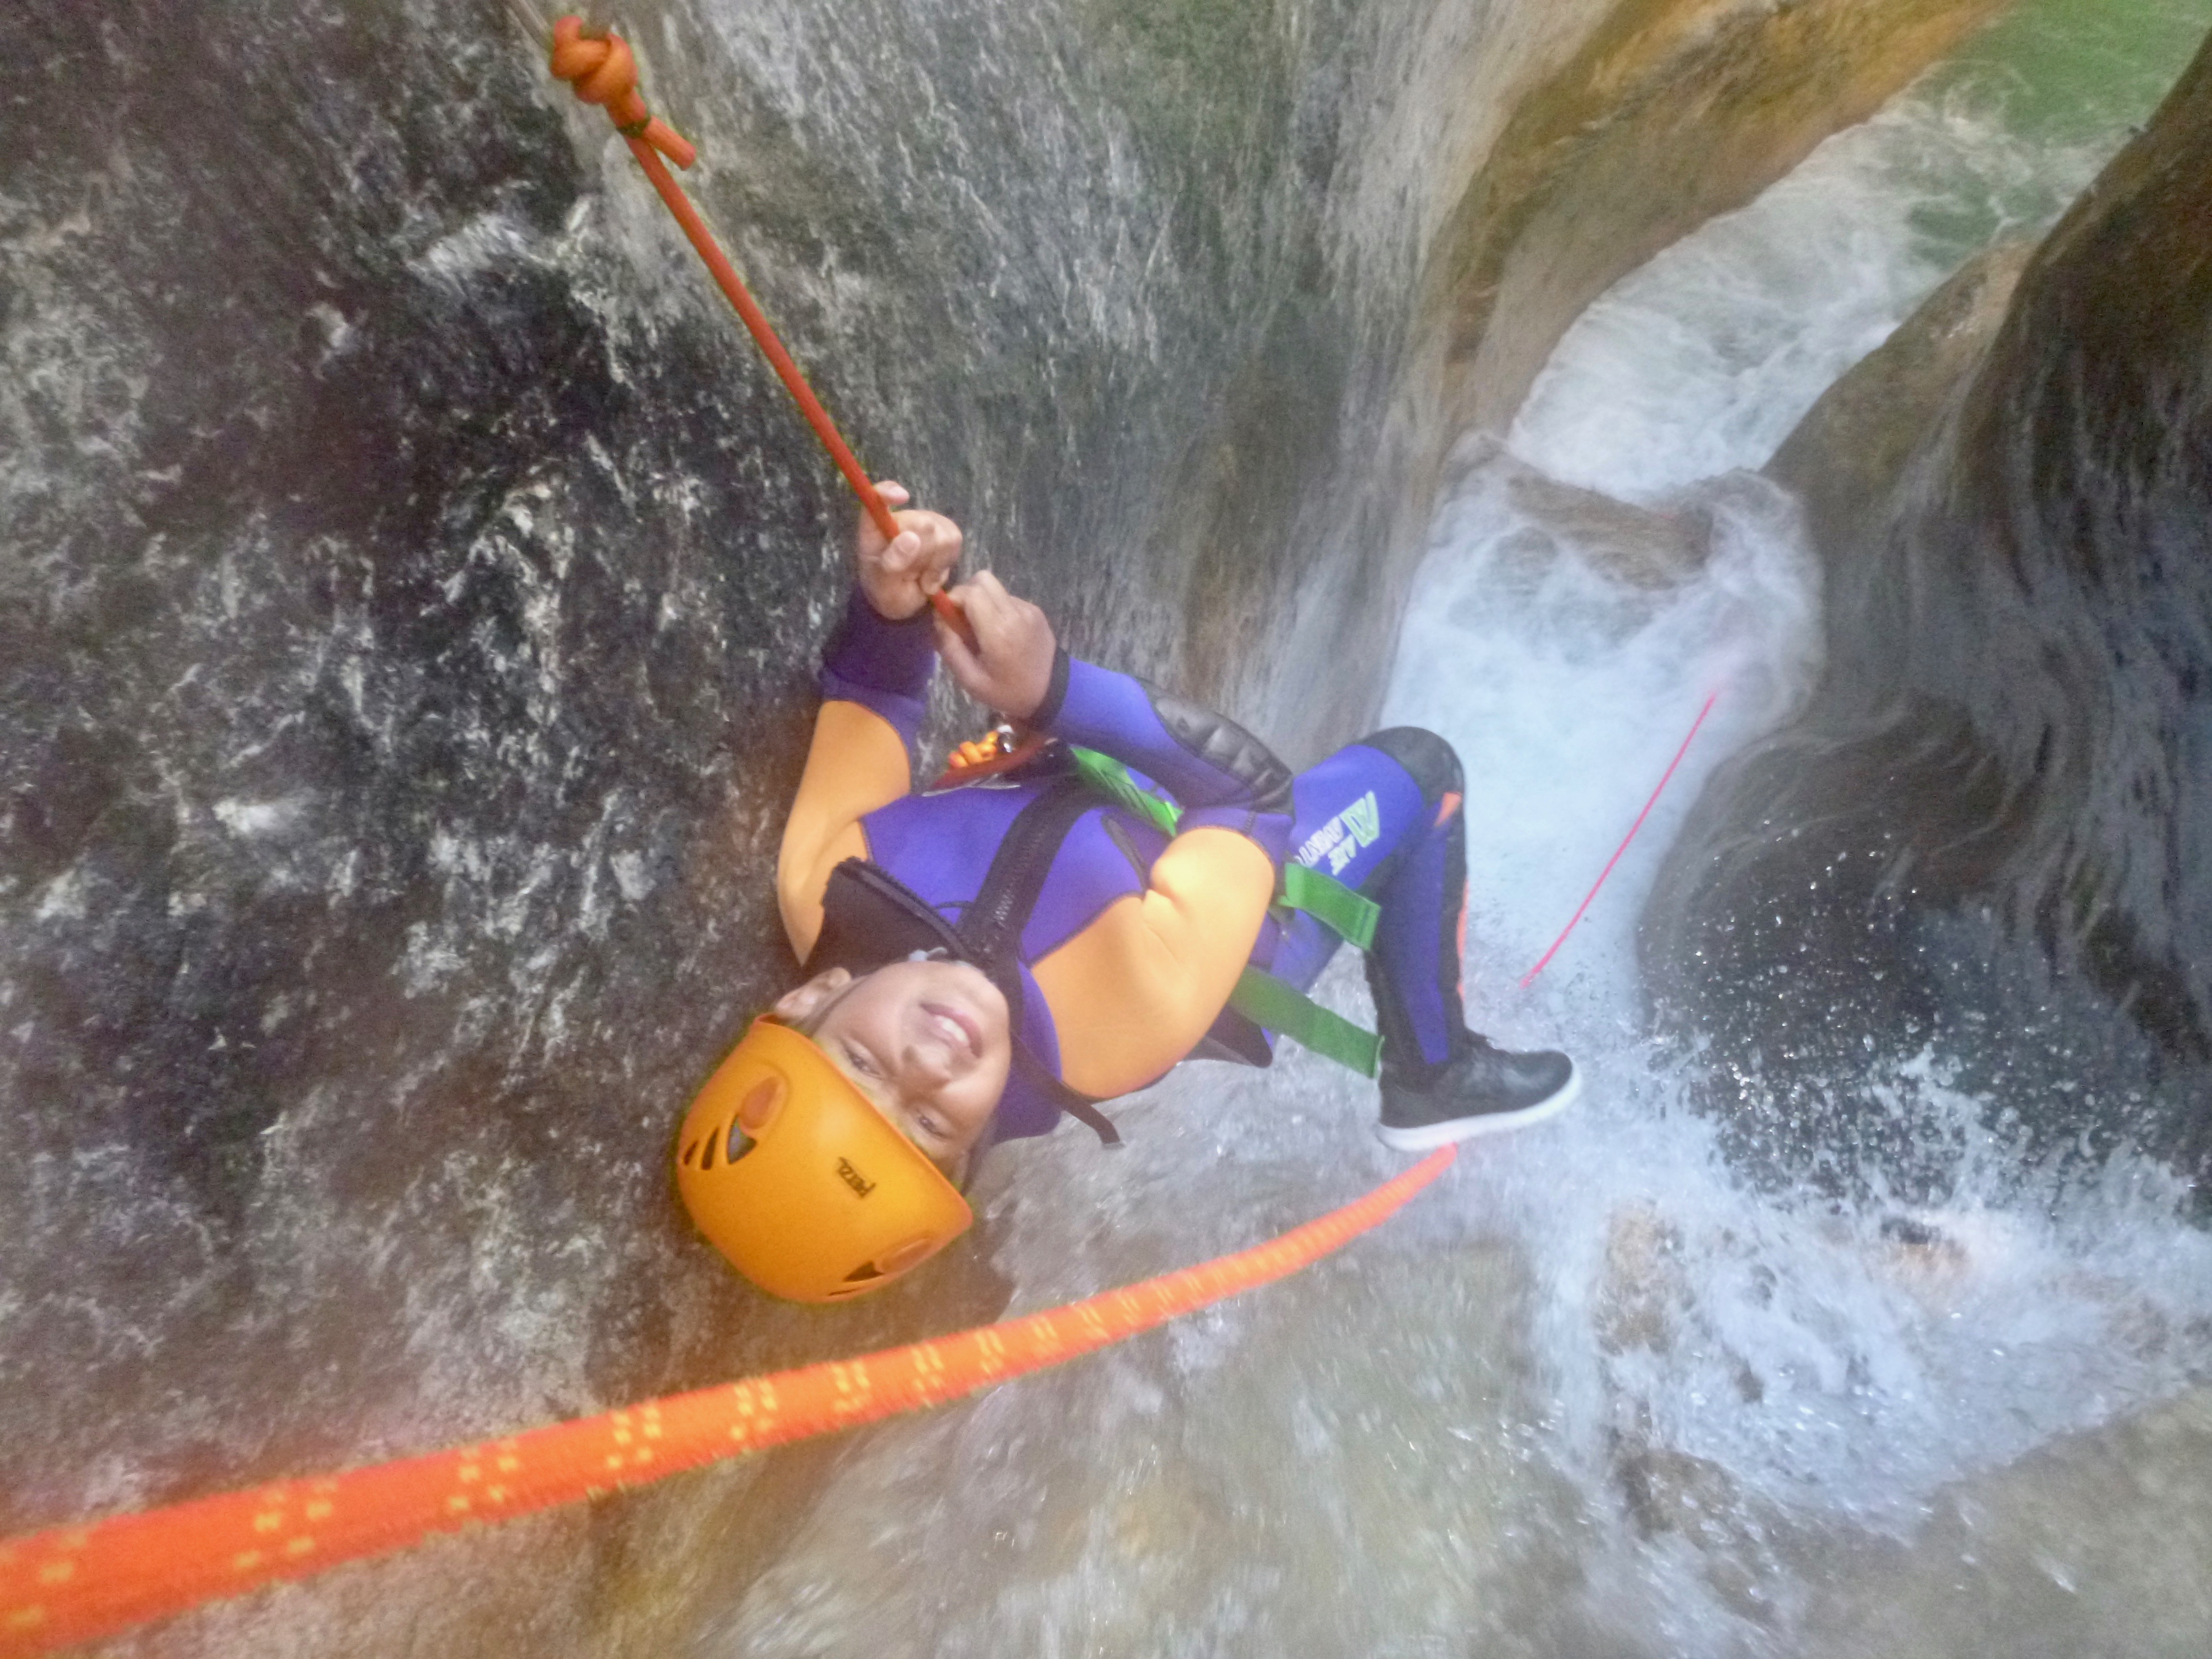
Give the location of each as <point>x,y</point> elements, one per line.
<point>1111,779</point>
<point>1261,997</point>
<point>1266,1000</point>
<point>1346,911</point>
<point>1350,914</point>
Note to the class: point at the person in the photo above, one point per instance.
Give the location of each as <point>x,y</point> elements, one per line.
<point>981,960</point>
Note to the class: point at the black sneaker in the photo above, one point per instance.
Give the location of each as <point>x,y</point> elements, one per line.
<point>1481,1089</point>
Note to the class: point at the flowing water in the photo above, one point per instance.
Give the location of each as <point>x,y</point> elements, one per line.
<point>1705,358</point>
<point>1593,1395</point>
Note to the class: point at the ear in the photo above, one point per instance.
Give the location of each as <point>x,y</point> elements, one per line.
<point>799,1004</point>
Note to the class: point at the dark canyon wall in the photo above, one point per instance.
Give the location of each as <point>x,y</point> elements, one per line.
<point>1988,835</point>
<point>412,579</point>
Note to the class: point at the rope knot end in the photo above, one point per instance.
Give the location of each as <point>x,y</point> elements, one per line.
<point>603,70</point>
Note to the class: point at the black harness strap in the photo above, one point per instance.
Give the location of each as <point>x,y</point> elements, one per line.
<point>993,924</point>
<point>869,918</point>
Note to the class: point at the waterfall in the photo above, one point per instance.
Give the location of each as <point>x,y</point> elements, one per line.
<point>410,576</point>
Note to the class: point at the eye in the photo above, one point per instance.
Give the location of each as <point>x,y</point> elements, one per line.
<point>862,1062</point>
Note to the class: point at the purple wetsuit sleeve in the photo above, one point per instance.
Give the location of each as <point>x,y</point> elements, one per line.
<point>1221,774</point>
<point>1271,829</point>
<point>882,665</point>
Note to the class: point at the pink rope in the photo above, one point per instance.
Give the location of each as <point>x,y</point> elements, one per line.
<point>1527,978</point>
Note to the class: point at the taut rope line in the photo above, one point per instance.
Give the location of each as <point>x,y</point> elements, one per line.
<point>1667,777</point>
<point>602,69</point>
<point>74,1584</point>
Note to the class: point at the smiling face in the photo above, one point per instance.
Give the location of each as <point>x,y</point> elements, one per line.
<point>928,1042</point>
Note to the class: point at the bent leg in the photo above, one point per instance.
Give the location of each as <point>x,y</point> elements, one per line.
<point>1415,968</point>
<point>1442,1082</point>
<point>1385,814</point>
<point>1382,815</point>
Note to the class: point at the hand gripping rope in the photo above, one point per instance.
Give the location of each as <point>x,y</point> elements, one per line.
<point>73,1584</point>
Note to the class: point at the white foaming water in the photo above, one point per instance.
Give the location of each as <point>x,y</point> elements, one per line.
<point>1567,670</point>
<point>1588,1394</point>
<point>1702,361</point>
<point>1728,1370</point>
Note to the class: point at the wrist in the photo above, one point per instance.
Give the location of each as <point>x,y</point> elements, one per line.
<point>893,607</point>
<point>867,647</point>
<point>1055,691</point>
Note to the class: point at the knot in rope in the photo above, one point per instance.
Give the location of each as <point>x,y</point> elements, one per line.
<point>602,69</point>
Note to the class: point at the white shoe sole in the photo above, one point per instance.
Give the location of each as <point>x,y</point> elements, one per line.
<point>1430,1136</point>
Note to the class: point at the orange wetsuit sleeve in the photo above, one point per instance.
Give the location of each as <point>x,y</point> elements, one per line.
<point>1135,991</point>
<point>875,681</point>
<point>858,763</point>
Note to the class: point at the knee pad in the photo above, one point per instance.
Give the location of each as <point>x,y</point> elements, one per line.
<point>1428,759</point>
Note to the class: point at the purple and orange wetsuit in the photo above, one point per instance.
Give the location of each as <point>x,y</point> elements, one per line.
<point>1119,953</point>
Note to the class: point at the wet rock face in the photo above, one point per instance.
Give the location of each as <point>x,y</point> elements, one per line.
<point>411,580</point>
<point>1845,458</point>
<point>1988,833</point>
<point>373,648</point>
<point>2102,1533</point>
<point>412,583</point>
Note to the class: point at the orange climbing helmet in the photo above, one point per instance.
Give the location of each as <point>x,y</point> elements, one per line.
<point>793,1174</point>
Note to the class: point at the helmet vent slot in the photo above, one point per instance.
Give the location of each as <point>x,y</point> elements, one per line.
<point>863,1273</point>
<point>739,1144</point>
<point>690,1158</point>
<point>758,1108</point>
<point>707,1148</point>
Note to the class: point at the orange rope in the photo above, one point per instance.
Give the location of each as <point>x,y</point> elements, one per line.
<point>603,70</point>
<point>73,1584</point>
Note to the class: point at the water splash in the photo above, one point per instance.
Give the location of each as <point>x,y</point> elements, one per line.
<point>1731,1374</point>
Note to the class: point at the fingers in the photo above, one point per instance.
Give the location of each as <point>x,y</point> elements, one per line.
<point>985,594</point>
<point>936,550</point>
<point>971,663</point>
<point>966,667</point>
<point>926,541</point>
<point>898,575</point>
<point>998,617</point>
<point>1010,666</point>
<point>892,494</point>
<point>958,656</point>
<point>937,532</point>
